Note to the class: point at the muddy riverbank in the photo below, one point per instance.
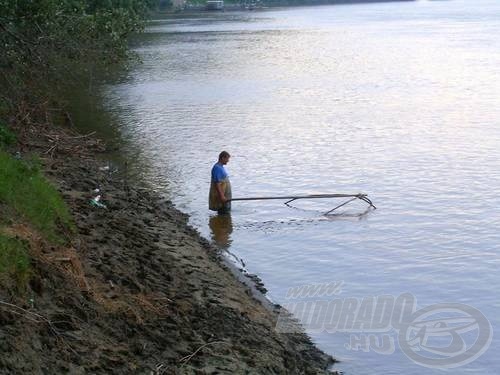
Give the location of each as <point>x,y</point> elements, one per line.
<point>135,289</point>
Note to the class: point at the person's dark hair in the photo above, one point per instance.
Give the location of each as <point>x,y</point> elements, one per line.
<point>224,154</point>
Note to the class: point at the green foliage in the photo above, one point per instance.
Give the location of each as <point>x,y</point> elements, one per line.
<point>45,44</point>
<point>14,260</point>
<point>29,194</point>
<point>7,138</point>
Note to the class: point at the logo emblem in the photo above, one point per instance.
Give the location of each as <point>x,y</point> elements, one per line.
<point>445,335</point>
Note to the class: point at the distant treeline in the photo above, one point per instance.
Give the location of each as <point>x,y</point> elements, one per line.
<point>167,3</point>
<point>46,44</point>
<point>318,2</point>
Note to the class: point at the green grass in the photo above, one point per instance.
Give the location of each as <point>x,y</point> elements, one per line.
<point>24,190</point>
<point>26,197</point>
<point>14,260</point>
<point>6,136</point>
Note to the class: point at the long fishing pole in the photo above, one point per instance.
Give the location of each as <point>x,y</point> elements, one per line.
<point>291,198</point>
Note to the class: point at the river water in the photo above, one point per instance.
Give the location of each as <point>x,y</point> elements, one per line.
<point>397,100</point>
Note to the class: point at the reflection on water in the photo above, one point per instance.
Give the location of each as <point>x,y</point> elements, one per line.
<point>221,227</point>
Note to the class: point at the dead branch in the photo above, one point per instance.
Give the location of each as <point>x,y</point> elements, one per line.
<point>187,358</point>
<point>17,310</point>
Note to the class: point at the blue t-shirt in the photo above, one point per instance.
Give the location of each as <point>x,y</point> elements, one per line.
<point>218,173</point>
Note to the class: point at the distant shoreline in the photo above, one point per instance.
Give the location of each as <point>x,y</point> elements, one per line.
<point>274,4</point>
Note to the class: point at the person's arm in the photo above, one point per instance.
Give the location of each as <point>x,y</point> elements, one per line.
<point>220,191</point>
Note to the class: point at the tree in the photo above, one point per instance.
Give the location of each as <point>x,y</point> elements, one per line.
<point>44,44</point>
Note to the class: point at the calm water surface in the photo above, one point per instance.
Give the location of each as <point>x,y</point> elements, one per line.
<point>398,100</point>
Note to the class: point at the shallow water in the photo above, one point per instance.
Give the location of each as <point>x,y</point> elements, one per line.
<point>398,100</point>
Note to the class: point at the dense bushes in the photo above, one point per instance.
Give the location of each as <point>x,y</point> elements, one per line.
<point>47,44</point>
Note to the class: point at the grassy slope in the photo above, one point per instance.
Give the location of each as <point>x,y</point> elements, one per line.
<point>28,193</point>
<point>26,197</point>
<point>14,260</point>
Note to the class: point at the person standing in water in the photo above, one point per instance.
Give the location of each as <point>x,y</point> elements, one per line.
<point>220,188</point>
